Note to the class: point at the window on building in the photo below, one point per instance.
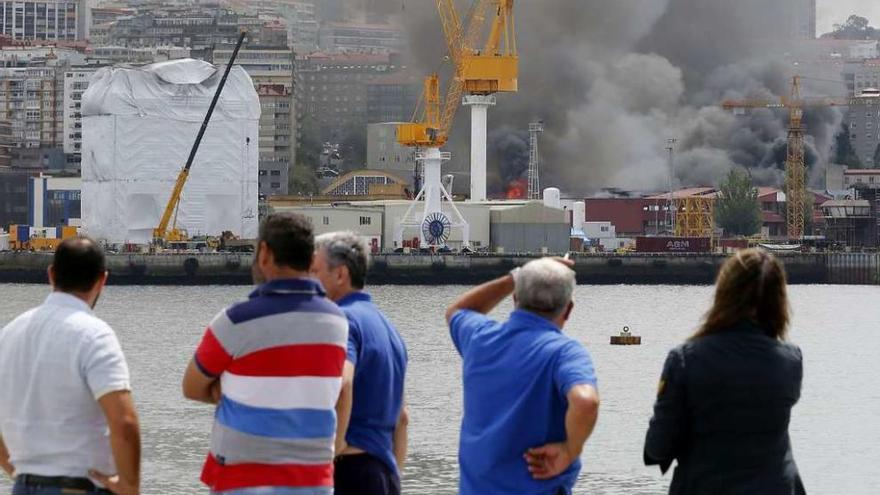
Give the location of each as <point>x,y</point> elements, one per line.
<point>275,185</point>
<point>366,221</point>
<point>262,173</point>
<point>326,220</point>
<point>276,173</point>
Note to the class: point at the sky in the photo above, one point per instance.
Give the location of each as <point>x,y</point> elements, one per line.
<point>830,12</point>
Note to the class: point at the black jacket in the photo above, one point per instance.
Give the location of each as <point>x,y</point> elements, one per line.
<point>722,412</point>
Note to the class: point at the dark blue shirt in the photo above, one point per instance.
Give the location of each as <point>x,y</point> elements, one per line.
<point>516,378</point>
<point>379,356</point>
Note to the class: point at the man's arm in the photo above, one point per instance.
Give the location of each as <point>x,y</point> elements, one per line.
<point>199,386</point>
<point>7,467</point>
<point>343,406</point>
<point>553,459</point>
<point>482,298</point>
<point>400,438</point>
<point>125,442</point>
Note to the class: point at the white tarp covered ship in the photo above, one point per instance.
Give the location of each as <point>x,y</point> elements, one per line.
<point>139,124</point>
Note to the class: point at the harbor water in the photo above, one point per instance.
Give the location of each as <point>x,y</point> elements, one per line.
<point>835,430</point>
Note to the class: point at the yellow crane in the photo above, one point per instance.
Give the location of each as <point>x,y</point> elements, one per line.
<point>433,117</point>
<point>795,168</point>
<point>485,71</point>
<point>495,68</point>
<point>162,234</point>
<point>481,71</point>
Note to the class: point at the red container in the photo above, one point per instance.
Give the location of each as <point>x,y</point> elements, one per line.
<point>673,245</point>
<point>734,243</point>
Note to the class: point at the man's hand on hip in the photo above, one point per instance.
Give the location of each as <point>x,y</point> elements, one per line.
<point>549,461</point>
<point>114,483</point>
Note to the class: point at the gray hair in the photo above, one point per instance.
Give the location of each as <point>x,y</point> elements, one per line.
<point>545,287</point>
<point>346,248</point>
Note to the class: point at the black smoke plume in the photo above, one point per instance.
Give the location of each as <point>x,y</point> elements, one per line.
<point>614,79</point>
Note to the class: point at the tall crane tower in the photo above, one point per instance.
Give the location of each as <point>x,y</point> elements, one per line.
<point>484,72</point>
<point>494,68</point>
<point>795,168</point>
<point>535,128</point>
<point>429,131</point>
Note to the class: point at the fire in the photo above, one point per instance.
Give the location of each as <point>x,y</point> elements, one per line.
<point>517,189</point>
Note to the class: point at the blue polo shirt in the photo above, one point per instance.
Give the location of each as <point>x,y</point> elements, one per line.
<point>379,356</point>
<point>516,377</point>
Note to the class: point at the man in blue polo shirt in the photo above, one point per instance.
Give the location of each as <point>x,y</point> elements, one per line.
<point>371,451</point>
<point>530,398</point>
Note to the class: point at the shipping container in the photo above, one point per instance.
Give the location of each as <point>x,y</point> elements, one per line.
<point>22,232</point>
<point>673,244</point>
<point>733,243</point>
<point>65,232</point>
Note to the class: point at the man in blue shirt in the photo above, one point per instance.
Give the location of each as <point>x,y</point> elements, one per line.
<point>372,448</point>
<point>530,398</point>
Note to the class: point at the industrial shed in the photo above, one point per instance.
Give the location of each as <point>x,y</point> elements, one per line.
<point>529,228</point>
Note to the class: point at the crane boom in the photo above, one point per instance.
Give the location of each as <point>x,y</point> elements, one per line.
<point>795,168</point>
<point>433,118</point>
<point>162,233</point>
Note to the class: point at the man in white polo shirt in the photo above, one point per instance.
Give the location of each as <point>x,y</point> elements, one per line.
<point>67,420</point>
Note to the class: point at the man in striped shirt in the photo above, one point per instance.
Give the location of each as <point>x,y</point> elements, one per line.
<point>273,365</point>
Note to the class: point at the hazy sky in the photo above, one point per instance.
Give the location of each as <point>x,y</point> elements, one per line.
<point>836,11</point>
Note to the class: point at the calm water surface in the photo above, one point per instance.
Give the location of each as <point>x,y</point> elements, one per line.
<point>835,427</point>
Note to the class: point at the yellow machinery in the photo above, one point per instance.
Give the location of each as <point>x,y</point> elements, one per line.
<point>495,68</point>
<point>427,130</point>
<point>25,238</point>
<point>795,168</point>
<point>492,69</point>
<point>163,234</point>
<point>695,216</point>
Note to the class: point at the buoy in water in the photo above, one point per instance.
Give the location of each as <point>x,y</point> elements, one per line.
<point>626,338</point>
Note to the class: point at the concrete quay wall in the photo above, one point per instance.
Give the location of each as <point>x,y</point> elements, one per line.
<point>646,269</point>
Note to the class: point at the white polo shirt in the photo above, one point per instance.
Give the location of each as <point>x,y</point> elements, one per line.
<point>56,360</point>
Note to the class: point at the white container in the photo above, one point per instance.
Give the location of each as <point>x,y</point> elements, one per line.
<point>552,198</point>
<point>579,215</point>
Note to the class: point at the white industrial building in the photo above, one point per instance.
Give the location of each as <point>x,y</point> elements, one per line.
<point>518,226</point>
<point>366,221</point>
<point>385,153</point>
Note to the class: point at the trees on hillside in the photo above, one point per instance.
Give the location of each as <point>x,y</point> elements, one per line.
<point>855,28</point>
<point>877,156</point>
<point>737,210</point>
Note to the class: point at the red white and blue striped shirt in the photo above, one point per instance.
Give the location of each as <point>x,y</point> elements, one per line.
<point>279,356</point>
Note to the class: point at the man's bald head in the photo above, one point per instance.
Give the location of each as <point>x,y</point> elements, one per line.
<point>79,264</point>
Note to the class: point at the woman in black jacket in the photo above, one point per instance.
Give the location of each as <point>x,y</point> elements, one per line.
<point>725,395</point>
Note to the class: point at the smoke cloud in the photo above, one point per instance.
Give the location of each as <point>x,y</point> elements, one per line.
<point>614,80</point>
